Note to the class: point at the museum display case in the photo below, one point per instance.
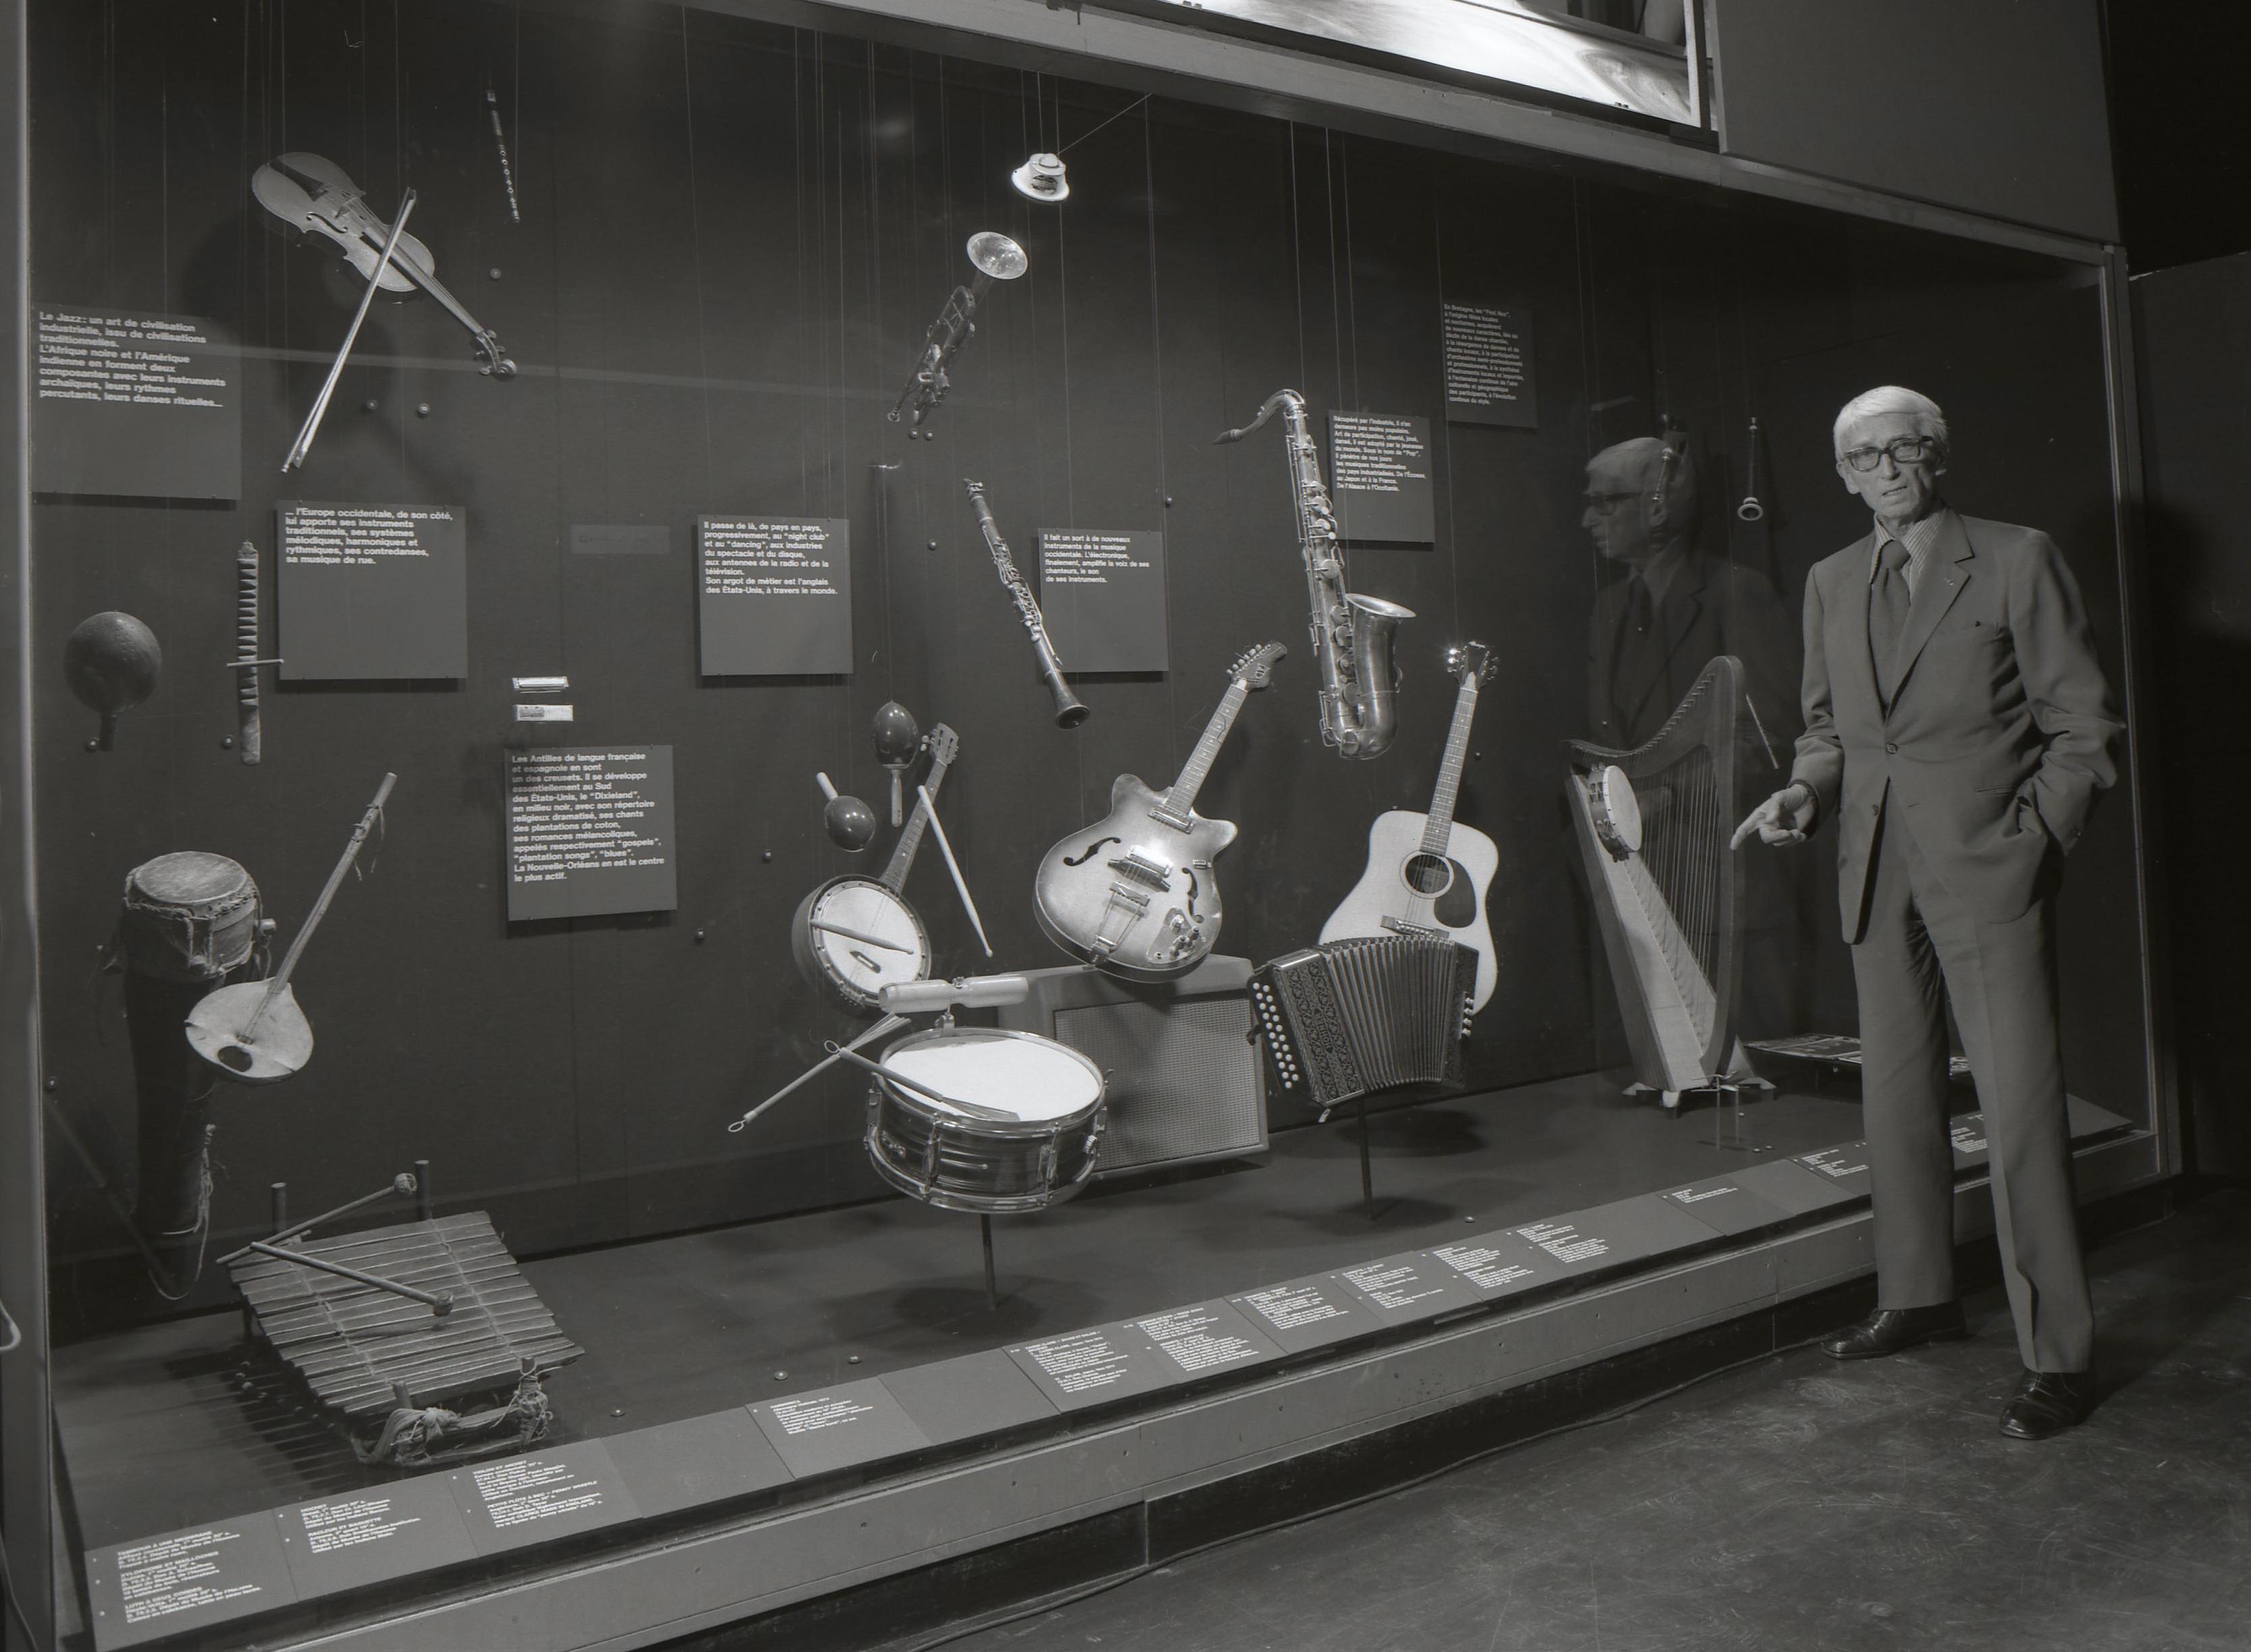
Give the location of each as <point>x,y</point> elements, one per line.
<point>599,571</point>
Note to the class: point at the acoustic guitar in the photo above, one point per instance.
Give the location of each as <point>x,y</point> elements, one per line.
<point>1428,874</point>
<point>1134,894</point>
<point>853,936</point>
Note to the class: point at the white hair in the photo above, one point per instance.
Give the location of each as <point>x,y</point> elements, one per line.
<point>1890,398</point>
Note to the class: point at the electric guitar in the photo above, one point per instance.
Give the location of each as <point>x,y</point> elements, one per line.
<point>1134,894</point>
<point>853,936</point>
<point>1427,874</point>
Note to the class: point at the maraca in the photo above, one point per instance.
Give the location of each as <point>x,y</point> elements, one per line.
<point>111,662</point>
<point>898,738</point>
<point>851,824</point>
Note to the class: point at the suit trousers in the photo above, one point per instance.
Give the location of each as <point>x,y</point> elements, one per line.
<point>1921,948</point>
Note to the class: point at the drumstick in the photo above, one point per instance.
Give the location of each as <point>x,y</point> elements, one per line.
<point>954,867</point>
<point>856,935</point>
<point>883,1028</point>
<point>971,1108</point>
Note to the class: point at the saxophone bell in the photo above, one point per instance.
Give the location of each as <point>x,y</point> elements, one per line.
<point>1351,635</point>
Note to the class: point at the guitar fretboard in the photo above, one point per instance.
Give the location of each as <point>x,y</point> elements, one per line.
<point>1181,798</point>
<point>903,856</point>
<point>1438,826</point>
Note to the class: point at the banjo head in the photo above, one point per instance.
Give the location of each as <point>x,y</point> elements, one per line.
<point>1616,810</point>
<point>855,969</point>
<point>283,1043</point>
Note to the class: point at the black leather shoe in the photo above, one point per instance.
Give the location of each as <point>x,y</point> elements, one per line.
<point>1891,1331</point>
<point>2047,1402</point>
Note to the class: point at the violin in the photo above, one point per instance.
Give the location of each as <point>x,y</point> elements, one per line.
<point>313,196</point>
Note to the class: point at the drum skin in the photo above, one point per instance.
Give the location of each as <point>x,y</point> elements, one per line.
<point>989,1167</point>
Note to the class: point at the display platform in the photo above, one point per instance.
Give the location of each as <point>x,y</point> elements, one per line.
<point>1544,1188</point>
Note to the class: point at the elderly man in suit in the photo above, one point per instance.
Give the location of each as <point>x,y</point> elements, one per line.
<point>1958,729</point>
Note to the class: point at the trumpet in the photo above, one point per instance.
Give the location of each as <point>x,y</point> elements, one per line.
<point>1070,710</point>
<point>1351,635</point>
<point>997,258</point>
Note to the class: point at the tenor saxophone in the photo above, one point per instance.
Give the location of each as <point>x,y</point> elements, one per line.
<point>1351,635</point>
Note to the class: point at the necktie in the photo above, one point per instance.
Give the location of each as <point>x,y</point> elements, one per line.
<point>1887,606</point>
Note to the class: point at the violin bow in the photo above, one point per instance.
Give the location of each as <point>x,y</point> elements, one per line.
<point>303,445</point>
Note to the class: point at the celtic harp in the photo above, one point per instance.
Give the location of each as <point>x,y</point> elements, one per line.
<point>1653,824</point>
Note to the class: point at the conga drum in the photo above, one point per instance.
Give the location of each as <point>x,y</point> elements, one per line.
<point>1031,1142</point>
<point>191,919</point>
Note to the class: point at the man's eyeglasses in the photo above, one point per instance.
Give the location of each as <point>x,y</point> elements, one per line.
<point>1606,503</point>
<point>1907,450</point>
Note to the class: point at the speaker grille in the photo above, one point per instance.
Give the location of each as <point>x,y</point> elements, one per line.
<point>1183,1079</point>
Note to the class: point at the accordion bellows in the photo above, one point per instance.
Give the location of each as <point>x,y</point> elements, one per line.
<point>1350,1017</point>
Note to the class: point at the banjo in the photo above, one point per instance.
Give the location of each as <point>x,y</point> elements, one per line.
<point>853,936</point>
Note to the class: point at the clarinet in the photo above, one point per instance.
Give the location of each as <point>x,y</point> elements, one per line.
<point>1069,710</point>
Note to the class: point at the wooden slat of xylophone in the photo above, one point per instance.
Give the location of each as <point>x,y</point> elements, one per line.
<point>353,1343</point>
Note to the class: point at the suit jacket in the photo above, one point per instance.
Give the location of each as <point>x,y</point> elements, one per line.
<point>1710,607</point>
<point>2000,732</point>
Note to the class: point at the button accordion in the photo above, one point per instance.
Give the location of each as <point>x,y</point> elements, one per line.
<point>1352,1016</point>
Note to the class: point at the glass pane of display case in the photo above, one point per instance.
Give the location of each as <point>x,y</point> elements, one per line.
<point>1288,622</point>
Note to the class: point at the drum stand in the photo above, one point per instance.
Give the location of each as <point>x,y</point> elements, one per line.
<point>992,1286</point>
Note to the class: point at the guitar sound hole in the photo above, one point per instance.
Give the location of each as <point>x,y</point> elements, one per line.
<point>1429,874</point>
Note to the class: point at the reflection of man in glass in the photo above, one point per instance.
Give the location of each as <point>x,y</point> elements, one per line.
<point>1652,633</point>
<point>1958,728</point>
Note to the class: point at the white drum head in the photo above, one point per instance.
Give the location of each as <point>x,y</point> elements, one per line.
<point>1030,1079</point>
<point>870,909</point>
<point>1617,811</point>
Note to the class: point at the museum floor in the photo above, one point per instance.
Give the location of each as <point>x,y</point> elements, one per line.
<point>157,1430</point>
<point>1794,1503</point>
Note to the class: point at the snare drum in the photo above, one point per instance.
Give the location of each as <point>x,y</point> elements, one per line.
<point>1039,1154</point>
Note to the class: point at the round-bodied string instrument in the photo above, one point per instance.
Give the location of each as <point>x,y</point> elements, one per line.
<point>989,1122</point>
<point>255,1032</point>
<point>853,936</point>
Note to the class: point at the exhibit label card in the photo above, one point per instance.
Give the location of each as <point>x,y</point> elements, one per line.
<point>371,592</point>
<point>1306,1313</point>
<point>386,1531</point>
<point>1103,595</point>
<point>1404,1288</point>
<point>1379,478</point>
<point>145,406</point>
<point>774,597</point>
<point>1970,1148</point>
<point>1204,1337</point>
<point>1083,1368</point>
<point>1488,365</point>
<point>1758,1196</point>
<point>1845,1166</point>
<point>1497,1264</point>
<point>1612,1235</point>
<point>186,1580</point>
<point>963,1398</point>
<point>513,1502</point>
<point>683,1465</point>
<point>839,1428</point>
<point>589,831</point>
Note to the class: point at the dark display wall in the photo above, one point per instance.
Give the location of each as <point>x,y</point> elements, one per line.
<point>732,236</point>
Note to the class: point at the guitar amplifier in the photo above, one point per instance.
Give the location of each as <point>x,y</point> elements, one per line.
<point>1184,1081</point>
